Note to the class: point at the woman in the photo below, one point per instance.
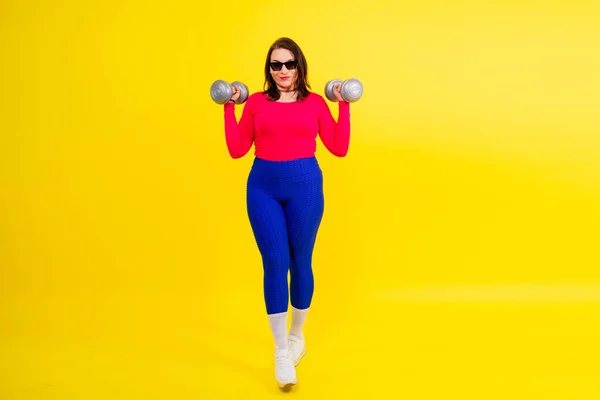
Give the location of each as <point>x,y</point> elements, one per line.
<point>285,187</point>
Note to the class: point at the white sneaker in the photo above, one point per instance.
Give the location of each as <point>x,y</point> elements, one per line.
<point>297,348</point>
<point>285,373</point>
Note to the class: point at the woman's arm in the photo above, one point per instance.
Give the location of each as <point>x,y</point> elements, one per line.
<point>239,136</point>
<point>335,135</point>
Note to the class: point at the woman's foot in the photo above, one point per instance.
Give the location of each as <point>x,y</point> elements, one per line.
<point>285,373</point>
<point>297,348</point>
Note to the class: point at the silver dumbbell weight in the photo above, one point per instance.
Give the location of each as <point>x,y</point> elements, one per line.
<point>351,90</point>
<point>221,92</point>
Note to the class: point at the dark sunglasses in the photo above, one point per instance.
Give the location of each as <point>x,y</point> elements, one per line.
<point>290,65</point>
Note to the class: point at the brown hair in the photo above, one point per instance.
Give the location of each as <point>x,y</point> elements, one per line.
<point>302,85</point>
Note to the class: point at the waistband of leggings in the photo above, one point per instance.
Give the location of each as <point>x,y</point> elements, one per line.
<point>284,169</point>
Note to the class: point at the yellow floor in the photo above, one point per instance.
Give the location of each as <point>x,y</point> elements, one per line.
<point>513,342</point>
<point>458,256</point>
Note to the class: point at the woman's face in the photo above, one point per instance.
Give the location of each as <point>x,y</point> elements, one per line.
<point>285,78</point>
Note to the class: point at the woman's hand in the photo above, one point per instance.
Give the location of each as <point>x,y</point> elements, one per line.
<point>336,92</point>
<point>236,93</point>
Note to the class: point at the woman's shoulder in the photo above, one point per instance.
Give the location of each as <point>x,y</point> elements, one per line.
<point>257,96</point>
<point>256,99</point>
<point>316,99</point>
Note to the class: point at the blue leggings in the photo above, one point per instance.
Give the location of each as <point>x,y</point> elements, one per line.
<point>285,206</point>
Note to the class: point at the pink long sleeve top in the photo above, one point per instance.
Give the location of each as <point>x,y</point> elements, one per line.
<point>286,131</point>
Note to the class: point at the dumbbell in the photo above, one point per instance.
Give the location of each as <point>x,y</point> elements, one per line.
<point>351,90</point>
<point>221,91</point>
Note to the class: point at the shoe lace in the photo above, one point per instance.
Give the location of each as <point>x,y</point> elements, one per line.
<point>283,361</point>
<point>282,357</point>
<point>293,344</point>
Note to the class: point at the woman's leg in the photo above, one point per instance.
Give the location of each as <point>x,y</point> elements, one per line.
<point>304,212</point>
<point>270,231</point>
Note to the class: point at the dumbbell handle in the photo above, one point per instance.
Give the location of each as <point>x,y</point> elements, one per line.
<point>351,90</point>
<point>221,92</point>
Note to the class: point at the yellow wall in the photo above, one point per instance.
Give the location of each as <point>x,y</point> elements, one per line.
<point>475,153</point>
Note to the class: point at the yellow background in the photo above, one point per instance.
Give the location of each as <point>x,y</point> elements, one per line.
<point>458,257</point>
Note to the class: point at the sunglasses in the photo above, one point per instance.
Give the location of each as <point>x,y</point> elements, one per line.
<point>290,65</point>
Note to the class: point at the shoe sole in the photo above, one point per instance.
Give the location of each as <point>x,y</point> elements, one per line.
<point>286,387</point>
<point>297,361</point>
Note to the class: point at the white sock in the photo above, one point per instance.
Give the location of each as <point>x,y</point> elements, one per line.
<point>278,324</point>
<point>298,318</point>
